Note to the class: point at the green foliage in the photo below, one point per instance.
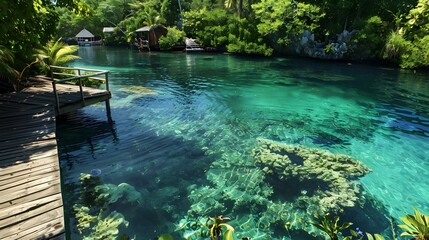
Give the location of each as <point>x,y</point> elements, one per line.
<point>330,226</point>
<point>245,39</point>
<point>165,237</point>
<point>56,53</point>
<point>417,55</point>
<point>375,237</point>
<point>395,47</point>
<point>409,45</point>
<point>372,37</point>
<point>416,225</point>
<point>210,27</point>
<point>174,36</point>
<point>216,229</point>
<point>6,62</point>
<point>417,21</point>
<point>283,20</point>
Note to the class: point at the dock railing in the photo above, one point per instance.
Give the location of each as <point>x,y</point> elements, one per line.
<point>76,76</point>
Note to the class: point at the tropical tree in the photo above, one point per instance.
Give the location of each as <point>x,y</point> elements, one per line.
<point>8,75</point>
<point>235,4</point>
<point>282,20</point>
<point>6,63</point>
<point>56,53</point>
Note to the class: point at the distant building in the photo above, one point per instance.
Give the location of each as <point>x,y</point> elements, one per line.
<point>86,38</point>
<point>148,36</point>
<point>108,30</point>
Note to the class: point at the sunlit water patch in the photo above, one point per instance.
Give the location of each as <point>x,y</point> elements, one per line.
<point>184,131</point>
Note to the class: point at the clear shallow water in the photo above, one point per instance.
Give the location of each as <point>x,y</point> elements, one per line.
<point>188,145</point>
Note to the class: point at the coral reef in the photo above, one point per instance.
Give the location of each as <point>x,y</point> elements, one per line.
<point>87,185</point>
<point>110,193</point>
<point>333,174</point>
<point>98,227</point>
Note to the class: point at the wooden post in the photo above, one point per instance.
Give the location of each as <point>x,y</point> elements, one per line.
<point>81,92</point>
<point>109,114</point>
<point>57,101</point>
<point>107,81</point>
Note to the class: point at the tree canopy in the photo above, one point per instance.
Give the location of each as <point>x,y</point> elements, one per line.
<point>387,30</point>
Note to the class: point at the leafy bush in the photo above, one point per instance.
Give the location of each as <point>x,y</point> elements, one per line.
<point>174,36</point>
<point>416,225</point>
<point>210,27</point>
<point>244,38</point>
<point>282,20</point>
<point>372,37</point>
<point>56,53</point>
<point>395,47</point>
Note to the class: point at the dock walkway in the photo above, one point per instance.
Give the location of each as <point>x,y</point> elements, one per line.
<point>31,204</point>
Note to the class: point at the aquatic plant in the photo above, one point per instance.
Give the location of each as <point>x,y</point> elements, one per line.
<point>416,225</point>
<point>330,225</point>
<point>216,230</point>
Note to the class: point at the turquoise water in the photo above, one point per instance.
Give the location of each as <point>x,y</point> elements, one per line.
<point>184,142</point>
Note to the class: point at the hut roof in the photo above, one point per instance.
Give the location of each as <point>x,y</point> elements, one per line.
<point>108,29</point>
<point>84,34</point>
<point>144,29</point>
<point>148,28</point>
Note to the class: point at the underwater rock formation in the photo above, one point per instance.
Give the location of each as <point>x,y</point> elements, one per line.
<point>332,174</point>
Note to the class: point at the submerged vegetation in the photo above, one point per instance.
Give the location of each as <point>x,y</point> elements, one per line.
<point>97,219</point>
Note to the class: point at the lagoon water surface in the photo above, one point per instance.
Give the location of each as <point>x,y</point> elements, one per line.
<point>184,131</point>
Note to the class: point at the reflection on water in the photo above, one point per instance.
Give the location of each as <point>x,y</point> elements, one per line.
<point>186,127</point>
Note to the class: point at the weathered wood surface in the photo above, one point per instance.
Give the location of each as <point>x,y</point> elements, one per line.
<point>31,204</point>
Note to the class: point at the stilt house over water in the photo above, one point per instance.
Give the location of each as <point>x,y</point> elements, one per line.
<point>148,36</point>
<point>86,38</point>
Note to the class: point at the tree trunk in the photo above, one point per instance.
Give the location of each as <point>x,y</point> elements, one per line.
<point>240,8</point>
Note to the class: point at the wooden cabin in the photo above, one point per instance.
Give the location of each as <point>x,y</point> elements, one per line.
<point>148,36</point>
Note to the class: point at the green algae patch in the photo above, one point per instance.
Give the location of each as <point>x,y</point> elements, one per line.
<point>332,176</point>
<point>138,90</point>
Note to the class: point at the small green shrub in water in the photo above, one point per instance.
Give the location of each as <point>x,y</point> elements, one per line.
<point>416,225</point>
<point>216,229</point>
<point>330,225</point>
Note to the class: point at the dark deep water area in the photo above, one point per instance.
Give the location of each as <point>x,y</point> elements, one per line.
<point>186,128</point>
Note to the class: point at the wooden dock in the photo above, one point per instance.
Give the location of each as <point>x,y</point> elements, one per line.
<point>31,204</point>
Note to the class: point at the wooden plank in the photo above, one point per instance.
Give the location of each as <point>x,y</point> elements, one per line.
<point>28,189</point>
<point>25,158</point>
<point>17,210</point>
<point>30,184</point>
<point>38,227</point>
<point>43,193</point>
<point>33,176</point>
<point>28,170</point>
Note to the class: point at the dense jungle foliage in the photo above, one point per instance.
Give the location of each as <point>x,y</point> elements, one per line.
<point>389,30</point>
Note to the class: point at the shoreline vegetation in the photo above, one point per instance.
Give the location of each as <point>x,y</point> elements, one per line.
<point>384,31</point>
